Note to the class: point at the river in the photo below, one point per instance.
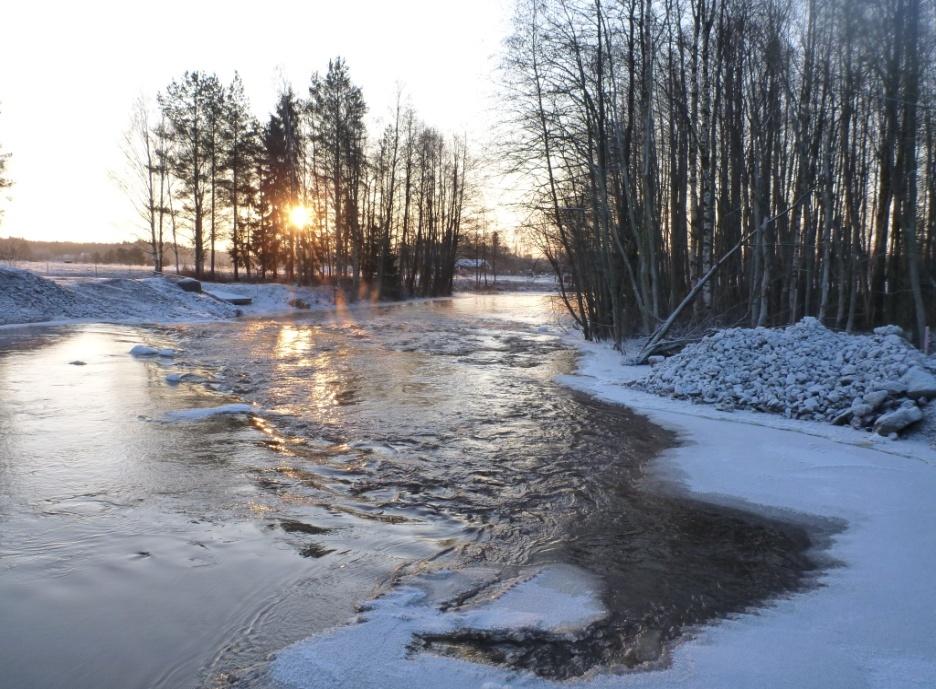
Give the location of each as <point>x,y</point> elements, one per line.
<point>141,551</point>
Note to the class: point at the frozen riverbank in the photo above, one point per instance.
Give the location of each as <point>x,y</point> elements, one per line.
<point>872,623</point>
<point>508,467</point>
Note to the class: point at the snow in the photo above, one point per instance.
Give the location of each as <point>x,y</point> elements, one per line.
<point>873,622</point>
<point>558,598</point>
<point>26,297</point>
<point>201,413</point>
<point>270,299</point>
<point>870,625</point>
<point>29,298</point>
<point>231,298</point>
<point>142,350</point>
<point>374,652</point>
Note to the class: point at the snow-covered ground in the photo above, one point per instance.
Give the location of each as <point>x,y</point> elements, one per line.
<point>506,283</point>
<point>871,624</point>
<point>27,297</point>
<point>273,299</point>
<point>78,269</point>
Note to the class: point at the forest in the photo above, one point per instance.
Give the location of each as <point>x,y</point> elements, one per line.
<point>729,162</point>
<point>304,195</point>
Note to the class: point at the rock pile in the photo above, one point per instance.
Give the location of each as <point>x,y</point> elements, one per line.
<point>804,371</point>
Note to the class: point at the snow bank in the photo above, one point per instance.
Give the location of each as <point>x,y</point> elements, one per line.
<point>271,299</point>
<point>804,371</point>
<point>29,298</point>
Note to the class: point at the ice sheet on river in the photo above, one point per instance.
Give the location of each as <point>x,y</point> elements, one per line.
<point>377,652</point>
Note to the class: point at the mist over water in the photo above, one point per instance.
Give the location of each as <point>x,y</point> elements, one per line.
<point>140,553</point>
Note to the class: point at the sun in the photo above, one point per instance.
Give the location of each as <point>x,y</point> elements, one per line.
<point>299,216</point>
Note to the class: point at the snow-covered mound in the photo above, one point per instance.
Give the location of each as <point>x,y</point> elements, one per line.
<point>26,297</point>
<point>271,298</point>
<point>804,371</point>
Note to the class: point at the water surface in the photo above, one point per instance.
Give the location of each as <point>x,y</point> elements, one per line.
<point>140,553</point>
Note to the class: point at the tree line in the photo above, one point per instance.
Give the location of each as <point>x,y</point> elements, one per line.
<point>755,161</point>
<point>5,181</point>
<point>304,195</point>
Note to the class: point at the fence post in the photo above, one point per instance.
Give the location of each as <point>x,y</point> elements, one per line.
<point>926,341</point>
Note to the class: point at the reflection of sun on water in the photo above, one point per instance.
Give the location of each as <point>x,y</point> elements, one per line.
<point>295,349</point>
<point>290,342</point>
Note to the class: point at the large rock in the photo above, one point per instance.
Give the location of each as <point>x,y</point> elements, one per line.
<point>919,383</point>
<point>885,330</point>
<point>189,285</point>
<point>875,399</point>
<point>897,420</point>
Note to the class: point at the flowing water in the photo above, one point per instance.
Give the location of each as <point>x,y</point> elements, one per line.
<point>138,552</point>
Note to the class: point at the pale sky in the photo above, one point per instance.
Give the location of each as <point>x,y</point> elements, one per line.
<point>71,71</point>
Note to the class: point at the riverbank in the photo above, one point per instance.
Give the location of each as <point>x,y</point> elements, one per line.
<point>870,624</point>
<point>875,381</point>
<point>27,298</point>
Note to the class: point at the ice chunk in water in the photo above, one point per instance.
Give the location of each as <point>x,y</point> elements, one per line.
<point>207,412</point>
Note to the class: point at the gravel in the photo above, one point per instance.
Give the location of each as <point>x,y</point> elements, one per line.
<point>26,297</point>
<point>805,371</point>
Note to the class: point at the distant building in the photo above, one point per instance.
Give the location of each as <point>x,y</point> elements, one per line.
<point>472,264</point>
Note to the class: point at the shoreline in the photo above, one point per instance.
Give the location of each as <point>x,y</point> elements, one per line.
<point>870,622</point>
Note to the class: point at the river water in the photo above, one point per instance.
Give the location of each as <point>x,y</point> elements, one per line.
<point>138,551</point>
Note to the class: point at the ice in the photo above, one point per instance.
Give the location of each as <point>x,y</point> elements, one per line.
<point>558,598</point>
<point>201,413</point>
<point>374,653</point>
<point>176,378</point>
<point>143,350</point>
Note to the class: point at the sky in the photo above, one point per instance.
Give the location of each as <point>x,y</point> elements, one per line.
<point>72,70</point>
